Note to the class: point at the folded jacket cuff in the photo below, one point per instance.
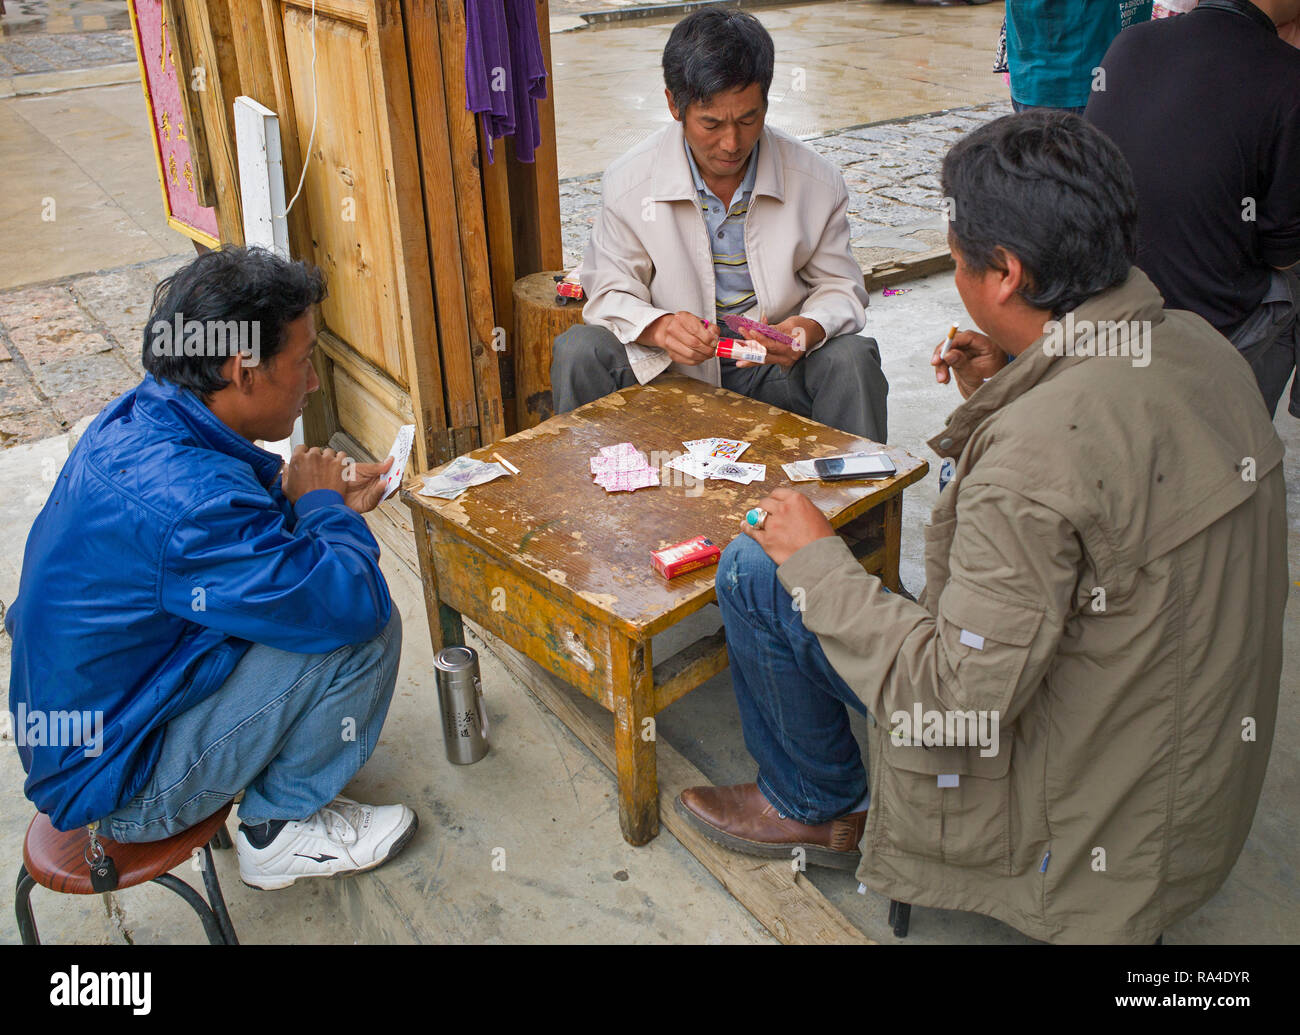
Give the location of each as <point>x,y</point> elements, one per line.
<point>807,568</point>
<point>316,499</point>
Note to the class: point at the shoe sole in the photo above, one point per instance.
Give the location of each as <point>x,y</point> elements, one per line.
<point>818,855</point>
<point>397,846</point>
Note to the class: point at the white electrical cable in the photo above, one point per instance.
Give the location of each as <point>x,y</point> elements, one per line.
<point>312,139</point>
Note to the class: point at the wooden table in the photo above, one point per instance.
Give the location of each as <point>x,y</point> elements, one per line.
<point>561,570</point>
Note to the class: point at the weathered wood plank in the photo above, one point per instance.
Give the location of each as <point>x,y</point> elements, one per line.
<point>497,202</point>
<point>252,54</point>
<point>441,218</point>
<point>780,898</point>
<point>574,646</point>
<point>634,740</point>
<point>414,279</point>
<point>688,668</point>
<point>895,271</point>
<point>463,135</point>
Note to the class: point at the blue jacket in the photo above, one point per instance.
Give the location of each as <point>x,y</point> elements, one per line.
<point>165,550</point>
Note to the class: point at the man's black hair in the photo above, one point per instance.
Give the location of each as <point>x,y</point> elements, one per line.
<point>230,284</point>
<point>713,50</point>
<point>1055,191</point>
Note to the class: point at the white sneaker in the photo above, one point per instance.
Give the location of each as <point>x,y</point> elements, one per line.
<point>342,838</point>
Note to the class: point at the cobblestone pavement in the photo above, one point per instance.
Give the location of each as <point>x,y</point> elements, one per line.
<point>64,52</point>
<point>23,17</point>
<point>892,170</point>
<point>72,346</point>
<point>63,35</point>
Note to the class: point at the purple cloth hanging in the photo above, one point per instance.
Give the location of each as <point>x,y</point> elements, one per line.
<point>505,74</point>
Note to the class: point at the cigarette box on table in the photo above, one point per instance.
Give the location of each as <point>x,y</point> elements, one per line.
<point>676,560</point>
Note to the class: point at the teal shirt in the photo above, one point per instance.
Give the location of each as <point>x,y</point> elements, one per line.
<point>1053,46</point>
<point>733,290</point>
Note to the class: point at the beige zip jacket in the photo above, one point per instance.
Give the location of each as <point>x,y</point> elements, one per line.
<point>650,254</point>
<point>1107,571</point>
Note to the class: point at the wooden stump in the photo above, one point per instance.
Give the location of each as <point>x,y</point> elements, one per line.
<point>538,322</point>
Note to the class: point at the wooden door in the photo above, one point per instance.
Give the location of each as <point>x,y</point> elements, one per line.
<point>360,217</point>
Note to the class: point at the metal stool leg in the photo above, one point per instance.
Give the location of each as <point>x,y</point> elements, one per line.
<point>900,915</point>
<point>23,908</point>
<point>211,926</point>
<point>221,839</point>
<point>216,899</point>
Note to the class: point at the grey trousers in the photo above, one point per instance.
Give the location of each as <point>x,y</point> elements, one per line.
<point>839,383</point>
<point>1269,340</point>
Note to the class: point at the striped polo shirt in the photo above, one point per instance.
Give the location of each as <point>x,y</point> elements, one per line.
<point>733,290</point>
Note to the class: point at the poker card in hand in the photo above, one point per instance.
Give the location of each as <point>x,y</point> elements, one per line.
<point>400,453</point>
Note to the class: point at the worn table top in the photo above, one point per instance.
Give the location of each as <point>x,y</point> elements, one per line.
<point>556,526</point>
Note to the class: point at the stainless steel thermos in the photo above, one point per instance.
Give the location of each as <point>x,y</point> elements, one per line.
<point>460,695</point>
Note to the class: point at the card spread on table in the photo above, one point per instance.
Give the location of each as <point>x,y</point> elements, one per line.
<point>716,458</point>
<point>623,468</point>
<point>400,452</point>
<point>729,470</point>
<point>717,448</point>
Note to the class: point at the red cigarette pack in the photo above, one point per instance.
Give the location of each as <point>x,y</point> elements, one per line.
<point>676,560</point>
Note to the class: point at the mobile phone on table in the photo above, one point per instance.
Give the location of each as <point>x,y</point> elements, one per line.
<point>840,468</point>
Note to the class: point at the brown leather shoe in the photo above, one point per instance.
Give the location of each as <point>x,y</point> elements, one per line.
<point>741,819</point>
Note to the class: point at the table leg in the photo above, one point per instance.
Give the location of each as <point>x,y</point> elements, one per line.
<point>634,740</point>
<point>445,626</point>
<point>893,509</point>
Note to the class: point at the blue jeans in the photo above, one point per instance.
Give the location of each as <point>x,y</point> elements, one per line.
<point>289,730</point>
<point>792,703</point>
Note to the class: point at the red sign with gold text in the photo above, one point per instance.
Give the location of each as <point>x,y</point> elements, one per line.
<point>160,77</point>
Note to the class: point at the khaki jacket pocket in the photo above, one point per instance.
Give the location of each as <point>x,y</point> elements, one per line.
<point>965,825</point>
<point>984,643</point>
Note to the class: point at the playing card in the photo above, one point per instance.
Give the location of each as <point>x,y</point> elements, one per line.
<point>691,464</point>
<point>400,452</point>
<point>717,448</point>
<point>742,473</point>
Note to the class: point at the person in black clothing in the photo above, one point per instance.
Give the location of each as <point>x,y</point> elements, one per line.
<point>1206,108</point>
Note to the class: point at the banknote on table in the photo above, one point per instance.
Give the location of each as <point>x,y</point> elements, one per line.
<point>459,475</point>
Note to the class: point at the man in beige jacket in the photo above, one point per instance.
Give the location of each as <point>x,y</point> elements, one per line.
<point>718,214</point>
<point>1069,730</point>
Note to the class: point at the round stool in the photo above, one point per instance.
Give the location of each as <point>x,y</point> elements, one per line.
<point>57,861</point>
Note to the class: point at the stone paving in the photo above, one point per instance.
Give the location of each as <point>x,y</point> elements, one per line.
<point>891,170</point>
<point>64,52</point>
<point>72,346</point>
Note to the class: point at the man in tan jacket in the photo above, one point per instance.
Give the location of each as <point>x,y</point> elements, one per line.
<point>1069,731</point>
<point>720,215</point>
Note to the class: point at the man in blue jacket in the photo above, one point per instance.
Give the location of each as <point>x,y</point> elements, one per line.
<point>215,619</point>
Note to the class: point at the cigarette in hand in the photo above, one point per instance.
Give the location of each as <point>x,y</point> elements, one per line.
<point>952,333</point>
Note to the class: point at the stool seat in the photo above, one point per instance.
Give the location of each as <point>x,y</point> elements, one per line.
<point>57,860</point>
